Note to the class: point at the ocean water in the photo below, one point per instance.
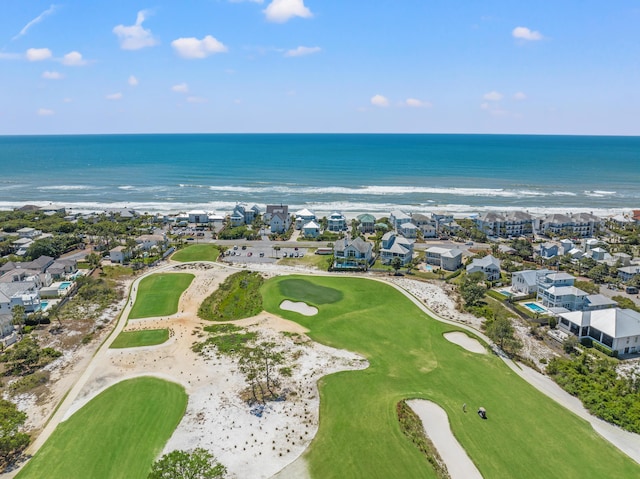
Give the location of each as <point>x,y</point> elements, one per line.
<point>325,172</point>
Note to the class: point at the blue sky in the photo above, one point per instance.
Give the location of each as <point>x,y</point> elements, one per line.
<point>565,67</point>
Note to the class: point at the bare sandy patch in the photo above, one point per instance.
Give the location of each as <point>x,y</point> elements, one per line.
<point>467,342</point>
<point>436,426</point>
<point>299,307</point>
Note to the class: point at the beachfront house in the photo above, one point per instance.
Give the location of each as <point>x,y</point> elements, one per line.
<point>505,225</point>
<point>489,266</point>
<point>395,246</point>
<point>448,259</point>
<point>198,216</point>
<point>352,254</point>
<point>367,223</point>
<point>311,230</point>
<point>336,222</point>
<point>444,221</point>
<point>277,217</point>
<point>576,224</point>
<point>616,328</point>
<point>397,218</point>
<point>303,217</point>
<point>426,224</point>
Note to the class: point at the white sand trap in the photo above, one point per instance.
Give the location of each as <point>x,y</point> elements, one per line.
<point>299,307</point>
<point>468,343</point>
<point>436,426</point>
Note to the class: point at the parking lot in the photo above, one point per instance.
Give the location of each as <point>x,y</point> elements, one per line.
<point>261,253</point>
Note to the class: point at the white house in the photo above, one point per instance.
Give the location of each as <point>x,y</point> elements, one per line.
<point>19,293</point>
<point>526,282</point>
<point>489,266</point>
<point>395,246</point>
<point>615,328</point>
<point>146,242</point>
<point>311,230</point>
<point>30,233</point>
<point>279,222</point>
<point>303,217</point>
<point>449,259</point>
<point>408,230</point>
<point>397,218</point>
<point>336,222</point>
<point>198,216</point>
<point>627,273</point>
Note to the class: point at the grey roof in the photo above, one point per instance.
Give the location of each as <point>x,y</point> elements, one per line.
<point>566,291</point>
<point>600,300</point>
<point>485,262</point>
<point>615,322</point>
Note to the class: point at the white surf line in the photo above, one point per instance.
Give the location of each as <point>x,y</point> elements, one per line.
<point>436,426</point>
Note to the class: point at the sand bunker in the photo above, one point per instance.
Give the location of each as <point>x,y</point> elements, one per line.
<point>468,343</point>
<point>436,426</point>
<point>299,307</point>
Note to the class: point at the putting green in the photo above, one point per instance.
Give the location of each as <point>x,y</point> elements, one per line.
<point>159,294</point>
<point>136,339</point>
<point>118,434</point>
<point>359,435</point>
<point>308,291</point>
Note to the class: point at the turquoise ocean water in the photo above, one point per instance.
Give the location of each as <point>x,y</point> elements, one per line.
<point>350,172</point>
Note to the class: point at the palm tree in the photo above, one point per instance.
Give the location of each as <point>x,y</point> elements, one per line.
<point>18,316</point>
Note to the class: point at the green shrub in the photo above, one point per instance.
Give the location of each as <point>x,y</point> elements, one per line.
<point>236,298</point>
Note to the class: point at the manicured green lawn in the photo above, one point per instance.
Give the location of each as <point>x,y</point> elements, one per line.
<point>526,434</point>
<point>158,294</point>
<point>116,435</point>
<point>135,339</point>
<point>197,252</point>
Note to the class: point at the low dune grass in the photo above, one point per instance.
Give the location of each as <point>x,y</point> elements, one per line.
<point>118,434</point>
<point>136,339</point>
<point>158,294</point>
<point>197,252</point>
<point>526,435</point>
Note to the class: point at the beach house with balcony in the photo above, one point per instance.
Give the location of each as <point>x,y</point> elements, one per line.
<point>395,246</point>
<point>367,223</point>
<point>526,282</point>
<point>311,230</point>
<point>489,266</point>
<point>336,222</point>
<point>616,328</point>
<point>303,217</point>
<point>352,254</point>
<point>397,218</point>
<point>448,259</point>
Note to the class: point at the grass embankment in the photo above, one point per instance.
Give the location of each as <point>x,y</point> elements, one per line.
<point>236,298</point>
<point>118,434</point>
<point>197,252</point>
<point>359,434</point>
<point>158,294</point>
<point>136,339</point>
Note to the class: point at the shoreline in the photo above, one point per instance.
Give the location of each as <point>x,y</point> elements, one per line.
<point>350,210</point>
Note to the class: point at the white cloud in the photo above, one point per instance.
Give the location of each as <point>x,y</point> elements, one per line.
<point>302,51</point>
<point>67,100</point>
<point>52,75</point>
<point>379,100</point>
<point>493,96</point>
<point>280,11</point>
<point>38,54</point>
<point>415,103</point>
<point>519,96</point>
<point>38,19</point>
<point>73,59</point>
<point>133,81</point>
<point>135,37</point>
<point>180,88</point>
<point>523,33</point>
<point>484,106</point>
<point>45,112</point>
<point>196,99</point>
<point>114,96</point>
<point>194,48</point>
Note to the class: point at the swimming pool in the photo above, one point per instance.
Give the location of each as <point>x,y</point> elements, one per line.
<point>43,305</point>
<point>64,285</point>
<point>506,293</point>
<point>535,308</point>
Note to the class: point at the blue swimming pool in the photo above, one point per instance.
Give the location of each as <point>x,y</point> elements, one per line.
<point>64,285</point>
<point>506,293</point>
<point>43,305</point>
<point>535,308</point>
